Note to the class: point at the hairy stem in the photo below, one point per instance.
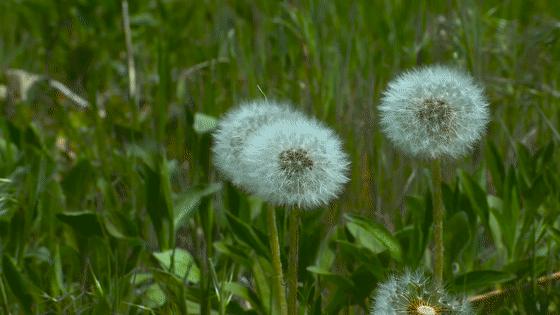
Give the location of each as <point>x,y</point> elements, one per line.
<point>499,293</point>
<point>293,261</point>
<point>438,213</point>
<point>278,279</point>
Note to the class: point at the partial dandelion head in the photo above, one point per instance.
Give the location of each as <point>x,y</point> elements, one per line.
<point>412,293</point>
<point>295,162</point>
<point>434,112</point>
<point>236,126</point>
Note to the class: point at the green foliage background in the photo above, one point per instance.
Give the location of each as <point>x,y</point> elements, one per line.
<point>116,208</point>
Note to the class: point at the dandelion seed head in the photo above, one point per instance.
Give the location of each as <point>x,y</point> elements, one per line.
<point>295,162</point>
<point>412,293</point>
<point>434,112</point>
<point>236,126</point>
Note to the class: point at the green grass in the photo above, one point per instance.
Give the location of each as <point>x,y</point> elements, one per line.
<point>117,209</point>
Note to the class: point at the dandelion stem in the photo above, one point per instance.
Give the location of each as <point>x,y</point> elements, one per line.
<point>486,297</point>
<point>276,262</point>
<point>293,261</point>
<point>438,213</point>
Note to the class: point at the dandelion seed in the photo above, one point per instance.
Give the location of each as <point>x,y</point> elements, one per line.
<point>434,112</point>
<point>295,162</point>
<point>412,293</point>
<point>234,129</point>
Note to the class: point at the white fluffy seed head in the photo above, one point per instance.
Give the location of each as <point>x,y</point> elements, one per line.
<point>413,293</point>
<point>295,162</point>
<point>236,126</point>
<point>434,112</point>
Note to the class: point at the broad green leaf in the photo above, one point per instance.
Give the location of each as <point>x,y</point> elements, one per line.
<point>204,123</point>
<point>115,232</point>
<point>476,195</point>
<point>158,202</point>
<point>555,233</point>
<point>495,165</point>
<point>177,292</point>
<point>32,136</point>
<point>241,291</point>
<point>342,282</point>
<point>248,235</point>
<point>154,296</point>
<point>261,269</point>
<point>365,239</point>
<point>326,256</point>
<point>180,263</point>
<point>8,155</point>
<point>85,223</point>
<point>235,252</point>
<point>419,209</point>
<point>457,235</point>
<point>495,222</point>
<point>352,252</point>
<point>173,288</point>
<point>189,200</point>
<point>524,166</point>
<point>77,182</point>
<point>364,280</point>
<point>139,278</point>
<point>511,213</point>
<point>246,294</point>
<point>373,236</point>
<point>58,271</point>
<point>537,193</point>
<point>22,288</point>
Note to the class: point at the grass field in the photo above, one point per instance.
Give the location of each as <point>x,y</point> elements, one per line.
<point>110,204</point>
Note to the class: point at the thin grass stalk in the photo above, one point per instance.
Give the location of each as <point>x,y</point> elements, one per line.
<point>438,213</point>
<point>4,297</point>
<point>132,87</point>
<point>293,261</point>
<point>278,278</point>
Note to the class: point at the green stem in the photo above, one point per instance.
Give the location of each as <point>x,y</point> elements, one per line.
<point>438,213</point>
<point>4,297</point>
<point>276,262</point>
<point>293,261</point>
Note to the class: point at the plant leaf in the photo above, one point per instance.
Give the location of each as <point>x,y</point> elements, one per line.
<point>373,236</point>
<point>204,123</point>
<point>189,200</point>
<point>85,223</point>
<point>180,263</point>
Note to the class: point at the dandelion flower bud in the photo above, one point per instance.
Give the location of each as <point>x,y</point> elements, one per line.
<point>295,162</point>
<point>434,112</point>
<point>413,293</point>
<point>234,129</point>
